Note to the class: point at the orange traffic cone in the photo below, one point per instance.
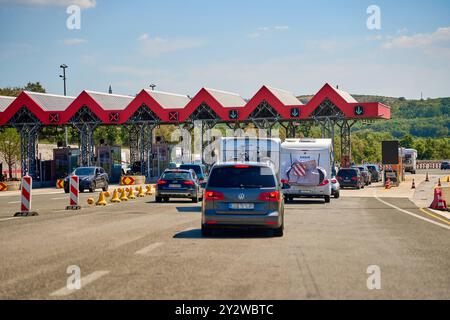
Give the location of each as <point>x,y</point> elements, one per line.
<point>413,184</point>
<point>141,192</point>
<point>123,195</point>
<point>115,197</point>
<point>149,190</point>
<point>101,199</point>
<point>438,202</point>
<point>131,194</point>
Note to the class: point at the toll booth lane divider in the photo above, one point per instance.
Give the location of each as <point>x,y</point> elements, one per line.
<point>25,198</point>
<point>74,193</point>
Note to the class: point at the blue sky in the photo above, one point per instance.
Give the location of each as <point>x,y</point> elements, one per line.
<point>231,45</point>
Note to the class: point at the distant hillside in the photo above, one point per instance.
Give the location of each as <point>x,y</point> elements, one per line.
<point>420,118</point>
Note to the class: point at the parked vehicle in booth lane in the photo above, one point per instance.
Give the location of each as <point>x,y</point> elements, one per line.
<point>367,176</point>
<point>199,169</point>
<point>306,165</point>
<point>90,178</point>
<point>375,172</point>
<point>445,165</point>
<point>178,183</point>
<point>243,195</point>
<point>335,188</point>
<point>350,178</point>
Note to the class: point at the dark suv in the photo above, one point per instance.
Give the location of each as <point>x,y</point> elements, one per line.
<point>366,175</point>
<point>243,195</point>
<point>200,170</point>
<point>90,178</point>
<point>178,183</point>
<point>445,165</point>
<point>350,178</point>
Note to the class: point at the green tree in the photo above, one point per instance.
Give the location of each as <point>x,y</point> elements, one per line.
<point>10,147</point>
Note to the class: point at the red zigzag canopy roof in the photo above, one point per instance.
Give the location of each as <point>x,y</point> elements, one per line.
<point>172,108</point>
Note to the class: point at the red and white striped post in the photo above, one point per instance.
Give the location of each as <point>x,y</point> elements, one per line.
<point>74,184</point>
<point>25,198</point>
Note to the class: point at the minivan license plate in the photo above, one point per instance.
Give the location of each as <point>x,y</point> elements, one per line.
<point>174,185</point>
<point>242,206</point>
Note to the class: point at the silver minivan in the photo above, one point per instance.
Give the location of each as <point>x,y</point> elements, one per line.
<point>243,195</point>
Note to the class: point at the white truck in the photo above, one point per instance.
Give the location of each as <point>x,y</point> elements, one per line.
<point>306,165</point>
<point>409,158</point>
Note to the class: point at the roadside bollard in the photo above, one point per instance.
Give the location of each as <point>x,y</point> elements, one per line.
<point>115,197</point>
<point>131,194</point>
<point>74,196</point>
<point>123,195</point>
<point>141,192</point>
<point>101,199</point>
<point>25,198</point>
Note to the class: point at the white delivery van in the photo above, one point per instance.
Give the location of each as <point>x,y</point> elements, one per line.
<point>306,165</point>
<point>409,157</point>
<point>249,149</point>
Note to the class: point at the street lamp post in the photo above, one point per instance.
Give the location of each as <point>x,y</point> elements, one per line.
<point>63,76</point>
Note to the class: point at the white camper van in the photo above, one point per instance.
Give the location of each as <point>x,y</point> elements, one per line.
<point>249,149</point>
<point>409,157</point>
<point>306,166</point>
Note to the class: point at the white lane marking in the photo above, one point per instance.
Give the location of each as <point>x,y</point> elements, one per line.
<point>12,218</point>
<point>11,202</point>
<point>441,213</point>
<point>64,291</point>
<point>413,214</point>
<point>149,248</point>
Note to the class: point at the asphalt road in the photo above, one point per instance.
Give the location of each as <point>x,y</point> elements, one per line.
<point>143,250</point>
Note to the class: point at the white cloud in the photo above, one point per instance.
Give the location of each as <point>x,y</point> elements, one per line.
<point>60,3</point>
<point>437,42</point>
<point>73,41</point>
<point>281,28</point>
<point>262,30</point>
<point>157,46</point>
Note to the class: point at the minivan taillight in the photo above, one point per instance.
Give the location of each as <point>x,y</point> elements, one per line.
<point>271,196</point>
<point>213,195</point>
<point>161,182</point>
<point>324,183</point>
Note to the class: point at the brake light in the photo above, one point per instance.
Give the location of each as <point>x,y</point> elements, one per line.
<point>240,166</point>
<point>354,178</point>
<point>324,183</point>
<point>333,180</point>
<point>213,195</point>
<point>284,181</point>
<point>271,196</point>
<point>188,182</point>
<point>162,182</point>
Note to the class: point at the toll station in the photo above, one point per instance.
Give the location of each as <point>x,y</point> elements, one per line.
<point>334,110</point>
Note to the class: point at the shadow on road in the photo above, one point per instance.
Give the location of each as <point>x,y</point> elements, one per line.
<point>189,209</point>
<point>224,234</point>
<point>305,201</point>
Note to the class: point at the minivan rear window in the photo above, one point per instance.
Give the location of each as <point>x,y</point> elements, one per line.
<point>347,172</point>
<point>239,177</point>
<point>176,176</point>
